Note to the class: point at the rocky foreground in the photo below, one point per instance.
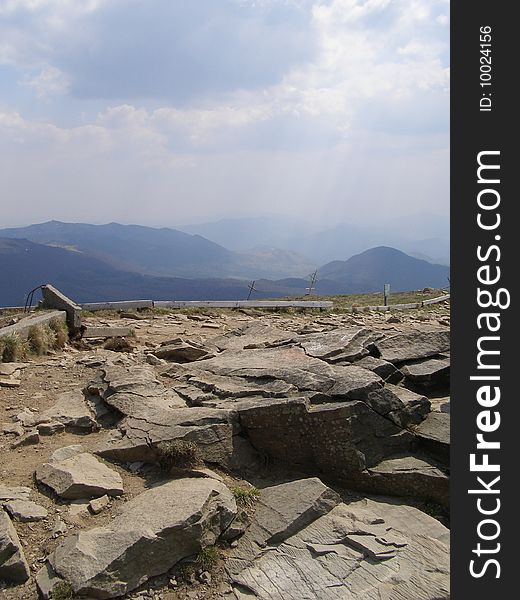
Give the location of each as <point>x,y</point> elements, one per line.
<point>231,455</point>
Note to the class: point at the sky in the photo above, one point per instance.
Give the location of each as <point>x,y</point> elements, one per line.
<point>168,112</point>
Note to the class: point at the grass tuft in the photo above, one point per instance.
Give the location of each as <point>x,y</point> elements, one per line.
<point>245,496</point>
<point>179,454</point>
<point>62,591</point>
<point>12,348</point>
<point>208,557</point>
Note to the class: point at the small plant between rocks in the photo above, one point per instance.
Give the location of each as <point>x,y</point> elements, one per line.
<point>62,591</point>
<point>245,496</point>
<point>207,558</point>
<point>178,454</point>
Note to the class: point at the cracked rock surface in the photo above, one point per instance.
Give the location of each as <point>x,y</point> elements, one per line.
<point>310,445</point>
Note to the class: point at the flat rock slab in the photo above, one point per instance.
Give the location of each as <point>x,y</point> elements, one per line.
<point>8,369</point>
<point>213,430</point>
<point>255,335</point>
<point>293,366</point>
<point>14,493</point>
<point>412,476</point>
<point>152,533</point>
<point>363,550</point>
<point>340,345</point>
<point>428,373</point>
<point>13,565</point>
<point>25,510</point>
<point>80,476</point>
<point>72,410</point>
<point>136,392</point>
<point>153,413</point>
<point>386,370</point>
<point>405,347</point>
<point>434,435</point>
<point>201,388</point>
<point>281,511</point>
<point>183,351</point>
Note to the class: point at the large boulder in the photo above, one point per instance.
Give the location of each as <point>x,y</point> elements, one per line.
<point>152,533</point>
<point>13,565</point>
<point>338,439</point>
<point>363,550</point>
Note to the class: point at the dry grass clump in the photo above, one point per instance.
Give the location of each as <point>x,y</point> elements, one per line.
<point>118,344</point>
<point>61,331</point>
<point>178,454</point>
<point>12,348</point>
<point>41,339</point>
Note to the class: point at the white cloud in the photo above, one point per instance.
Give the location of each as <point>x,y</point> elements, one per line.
<point>274,114</point>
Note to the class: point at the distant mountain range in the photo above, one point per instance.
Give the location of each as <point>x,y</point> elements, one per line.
<point>423,236</point>
<point>117,262</point>
<point>163,252</point>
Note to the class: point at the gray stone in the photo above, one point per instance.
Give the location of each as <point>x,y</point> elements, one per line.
<point>405,347</point>
<point>363,550</point>
<point>152,533</point>
<point>72,411</point>
<point>283,510</point>
<point>50,428</point>
<point>383,368</point>
<point>337,439</point>
<point>254,335</point>
<point>292,365</point>
<point>8,369</point>
<point>428,373</point>
<point>28,418</point>
<point>14,493</point>
<point>80,476</point>
<point>13,428</point>
<point>402,406</point>
<point>434,435</point>
<point>413,476</point>
<point>97,505</point>
<point>31,438</point>
<point>25,510</point>
<point>183,351</point>
<point>13,565</point>
<point>340,345</point>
